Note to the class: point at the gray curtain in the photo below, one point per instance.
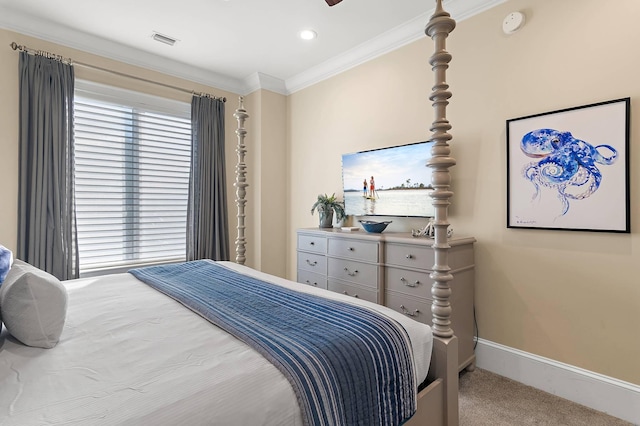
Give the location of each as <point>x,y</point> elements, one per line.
<point>207,222</point>
<point>46,207</point>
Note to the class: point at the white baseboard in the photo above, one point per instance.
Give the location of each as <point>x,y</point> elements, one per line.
<point>606,394</point>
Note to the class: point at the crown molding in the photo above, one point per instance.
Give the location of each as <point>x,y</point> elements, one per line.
<point>378,46</point>
<point>385,43</point>
<point>259,80</point>
<point>65,36</point>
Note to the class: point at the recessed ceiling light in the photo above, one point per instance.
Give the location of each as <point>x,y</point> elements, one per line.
<point>307,34</point>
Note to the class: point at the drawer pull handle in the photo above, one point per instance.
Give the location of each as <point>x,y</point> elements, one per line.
<point>409,313</point>
<point>351,274</point>
<point>408,284</point>
<point>312,243</point>
<point>314,263</point>
<point>409,256</point>
<point>310,283</point>
<point>355,295</point>
<point>350,248</point>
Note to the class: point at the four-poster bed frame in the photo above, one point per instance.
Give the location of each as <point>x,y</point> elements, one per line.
<point>241,182</point>
<point>130,354</point>
<point>438,402</point>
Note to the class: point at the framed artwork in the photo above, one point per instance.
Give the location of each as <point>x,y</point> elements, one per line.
<point>569,169</point>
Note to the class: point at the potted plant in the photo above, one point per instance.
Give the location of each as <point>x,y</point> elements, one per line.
<point>325,206</point>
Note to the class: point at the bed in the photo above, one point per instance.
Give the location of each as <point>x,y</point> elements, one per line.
<point>128,354</point>
<point>120,361</point>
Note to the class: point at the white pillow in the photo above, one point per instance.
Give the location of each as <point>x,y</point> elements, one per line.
<point>33,305</point>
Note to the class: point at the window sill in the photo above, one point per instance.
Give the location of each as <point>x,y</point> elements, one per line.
<point>119,269</point>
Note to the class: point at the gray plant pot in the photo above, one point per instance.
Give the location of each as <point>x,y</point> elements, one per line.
<point>326,218</point>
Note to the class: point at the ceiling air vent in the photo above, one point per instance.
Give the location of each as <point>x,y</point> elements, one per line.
<point>163,39</point>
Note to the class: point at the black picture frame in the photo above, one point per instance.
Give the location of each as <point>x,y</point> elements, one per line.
<point>569,169</point>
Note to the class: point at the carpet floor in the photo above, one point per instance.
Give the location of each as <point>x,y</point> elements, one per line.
<point>492,400</point>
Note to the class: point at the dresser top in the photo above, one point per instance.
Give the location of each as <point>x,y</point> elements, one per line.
<point>389,237</point>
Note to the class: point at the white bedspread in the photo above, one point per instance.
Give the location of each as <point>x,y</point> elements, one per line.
<point>130,355</point>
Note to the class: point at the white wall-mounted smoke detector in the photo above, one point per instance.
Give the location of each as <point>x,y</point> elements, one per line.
<point>513,22</point>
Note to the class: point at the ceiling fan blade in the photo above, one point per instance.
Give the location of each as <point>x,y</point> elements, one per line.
<point>333,2</point>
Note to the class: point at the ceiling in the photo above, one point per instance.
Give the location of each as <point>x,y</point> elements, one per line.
<point>235,45</point>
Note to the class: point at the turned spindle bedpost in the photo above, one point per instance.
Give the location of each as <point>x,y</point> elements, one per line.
<point>438,28</point>
<point>241,182</point>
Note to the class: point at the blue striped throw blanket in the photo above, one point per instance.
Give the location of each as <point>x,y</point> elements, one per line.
<point>347,365</point>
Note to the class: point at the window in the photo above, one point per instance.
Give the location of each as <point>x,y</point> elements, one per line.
<point>132,160</point>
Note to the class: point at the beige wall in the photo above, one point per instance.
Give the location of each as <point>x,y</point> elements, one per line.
<point>8,142</point>
<point>570,296</point>
<point>267,178</point>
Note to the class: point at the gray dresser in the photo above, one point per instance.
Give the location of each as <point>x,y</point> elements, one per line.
<point>344,262</point>
<point>391,269</point>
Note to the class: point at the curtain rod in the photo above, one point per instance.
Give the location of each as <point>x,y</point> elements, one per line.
<point>16,46</point>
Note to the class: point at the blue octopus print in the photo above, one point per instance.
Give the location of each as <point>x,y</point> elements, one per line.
<point>566,164</point>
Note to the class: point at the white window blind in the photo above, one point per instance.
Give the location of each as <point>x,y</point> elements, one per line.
<point>132,160</point>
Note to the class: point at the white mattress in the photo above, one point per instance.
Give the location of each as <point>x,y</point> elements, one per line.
<point>130,355</point>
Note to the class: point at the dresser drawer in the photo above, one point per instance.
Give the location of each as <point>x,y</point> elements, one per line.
<point>312,243</point>
<point>418,284</point>
<point>366,251</point>
<point>312,262</point>
<point>313,279</point>
<point>357,272</point>
<point>418,309</point>
<point>353,290</point>
<point>410,282</point>
<point>410,256</point>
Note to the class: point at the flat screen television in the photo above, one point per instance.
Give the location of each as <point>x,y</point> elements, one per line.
<point>402,181</point>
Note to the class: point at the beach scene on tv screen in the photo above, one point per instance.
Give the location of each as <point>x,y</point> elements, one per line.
<point>391,181</point>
